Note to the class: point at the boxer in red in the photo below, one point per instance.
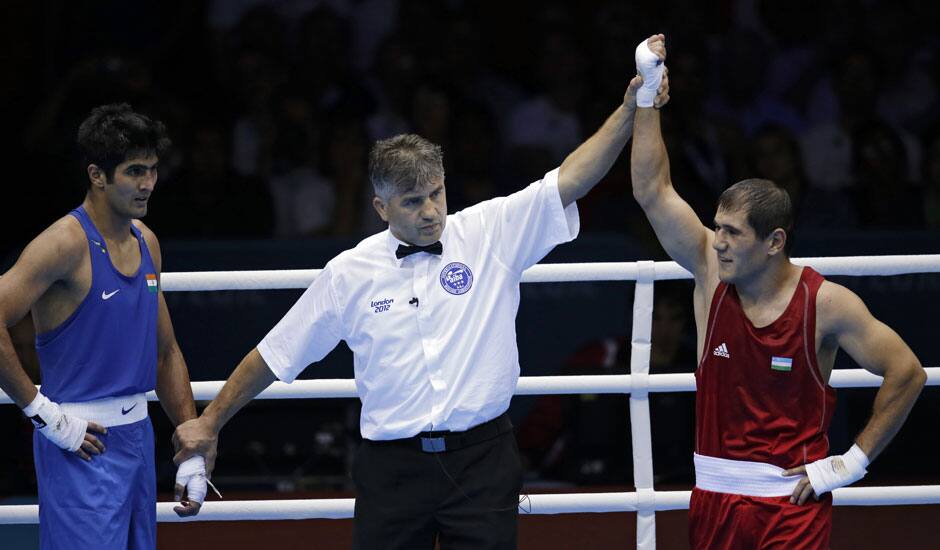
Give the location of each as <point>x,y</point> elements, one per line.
<point>768,333</point>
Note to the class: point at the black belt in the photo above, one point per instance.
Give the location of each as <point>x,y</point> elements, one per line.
<point>442,441</point>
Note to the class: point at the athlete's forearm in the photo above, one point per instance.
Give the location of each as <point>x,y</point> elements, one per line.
<point>649,163</point>
<point>13,379</point>
<point>173,386</point>
<point>591,161</point>
<point>250,377</point>
<point>893,402</point>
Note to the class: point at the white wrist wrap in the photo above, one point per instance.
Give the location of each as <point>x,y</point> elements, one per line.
<point>65,430</point>
<point>192,475</point>
<point>837,471</point>
<point>650,67</point>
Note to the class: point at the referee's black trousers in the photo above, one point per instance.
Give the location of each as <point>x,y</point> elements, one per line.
<point>467,498</point>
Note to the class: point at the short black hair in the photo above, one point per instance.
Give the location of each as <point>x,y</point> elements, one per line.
<point>767,205</point>
<point>113,133</point>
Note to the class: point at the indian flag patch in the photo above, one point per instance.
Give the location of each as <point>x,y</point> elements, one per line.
<point>151,282</point>
<point>781,363</point>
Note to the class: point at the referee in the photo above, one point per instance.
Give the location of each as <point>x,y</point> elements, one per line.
<point>428,309</point>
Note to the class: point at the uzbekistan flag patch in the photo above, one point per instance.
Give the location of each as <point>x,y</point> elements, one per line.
<point>784,364</point>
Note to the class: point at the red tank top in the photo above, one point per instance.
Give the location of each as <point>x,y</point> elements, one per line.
<point>759,394</point>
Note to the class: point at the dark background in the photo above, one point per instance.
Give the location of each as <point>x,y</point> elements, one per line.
<point>272,107</point>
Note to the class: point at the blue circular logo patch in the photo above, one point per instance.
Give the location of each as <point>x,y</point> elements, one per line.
<point>456,278</point>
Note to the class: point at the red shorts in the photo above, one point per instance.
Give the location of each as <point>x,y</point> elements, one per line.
<point>719,521</point>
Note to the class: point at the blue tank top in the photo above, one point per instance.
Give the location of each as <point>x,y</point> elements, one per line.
<point>108,346</point>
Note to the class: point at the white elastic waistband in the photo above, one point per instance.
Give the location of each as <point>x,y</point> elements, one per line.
<point>110,411</point>
<point>741,477</point>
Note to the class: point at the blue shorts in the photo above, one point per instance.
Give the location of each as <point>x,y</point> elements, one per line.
<point>108,503</point>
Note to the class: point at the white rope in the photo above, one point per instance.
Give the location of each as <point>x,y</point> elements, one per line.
<point>552,273</point>
<point>575,503</point>
<point>874,265</point>
<point>676,382</point>
<point>529,385</point>
<point>238,280</point>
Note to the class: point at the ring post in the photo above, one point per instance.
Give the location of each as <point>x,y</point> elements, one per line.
<point>639,406</point>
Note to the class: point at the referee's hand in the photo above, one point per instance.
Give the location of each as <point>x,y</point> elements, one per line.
<point>195,437</point>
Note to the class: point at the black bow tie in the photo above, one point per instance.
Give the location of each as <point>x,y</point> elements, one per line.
<point>433,248</point>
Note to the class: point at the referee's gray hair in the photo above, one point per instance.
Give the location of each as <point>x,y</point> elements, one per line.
<point>401,163</point>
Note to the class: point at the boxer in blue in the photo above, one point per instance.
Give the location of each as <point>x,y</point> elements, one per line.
<point>104,339</point>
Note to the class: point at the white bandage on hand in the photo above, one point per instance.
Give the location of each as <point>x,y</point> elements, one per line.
<point>192,475</point>
<point>650,67</point>
<point>66,431</point>
<point>837,471</point>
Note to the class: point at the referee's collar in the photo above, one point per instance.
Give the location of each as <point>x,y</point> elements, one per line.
<point>393,242</point>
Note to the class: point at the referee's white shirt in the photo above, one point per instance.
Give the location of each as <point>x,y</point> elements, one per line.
<point>449,360</point>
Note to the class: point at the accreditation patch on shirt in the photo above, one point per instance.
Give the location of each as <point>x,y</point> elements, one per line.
<point>781,363</point>
<point>456,278</point>
<point>152,282</point>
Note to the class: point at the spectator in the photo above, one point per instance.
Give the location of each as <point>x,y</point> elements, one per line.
<point>211,201</point>
<point>828,146</point>
<point>324,67</point>
<point>544,128</point>
<point>395,79</point>
<point>304,199</point>
<point>740,65</point>
<point>472,159</point>
<point>345,150</point>
<point>931,178</point>
<point>775,155</point>
<point>884,194</point>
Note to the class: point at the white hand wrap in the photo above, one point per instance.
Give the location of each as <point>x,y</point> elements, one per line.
<point>650,67</point>
<point>192,475</point>
<point>837,471</point>
<point>66,431</point>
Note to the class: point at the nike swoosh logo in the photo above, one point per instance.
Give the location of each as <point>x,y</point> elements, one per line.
<point>128,410</point>
<point>106,295</point>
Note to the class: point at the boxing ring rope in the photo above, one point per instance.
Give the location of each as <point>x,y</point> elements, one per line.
<point>645,500</point>
<point>342,508</point>
<point>551,273</point>
<point>528,385</point>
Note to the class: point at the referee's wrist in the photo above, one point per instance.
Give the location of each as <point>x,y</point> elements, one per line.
<point>211,420</point>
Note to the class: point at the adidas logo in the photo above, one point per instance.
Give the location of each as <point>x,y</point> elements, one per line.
<point>722,351</point>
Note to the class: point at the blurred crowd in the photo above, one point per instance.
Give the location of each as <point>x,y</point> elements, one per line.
<point>273,105</point>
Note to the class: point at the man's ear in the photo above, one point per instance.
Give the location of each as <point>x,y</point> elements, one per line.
<point>380,207</point>
<point>777,241</point>
<point>96,175</point>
